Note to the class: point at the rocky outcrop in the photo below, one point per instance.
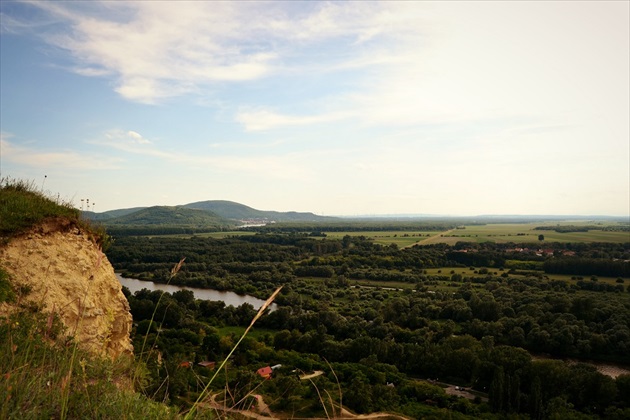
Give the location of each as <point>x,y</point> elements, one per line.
<point>67,274</point>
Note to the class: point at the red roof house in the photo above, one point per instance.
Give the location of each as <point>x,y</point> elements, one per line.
<point>265,372</point>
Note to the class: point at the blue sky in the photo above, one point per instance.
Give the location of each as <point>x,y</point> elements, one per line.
<point>339,108</point>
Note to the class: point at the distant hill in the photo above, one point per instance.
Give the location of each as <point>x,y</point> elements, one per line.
<point>164,215</point>
<point>212,214</point>
<point>236,211</point>
<point>111,214</point>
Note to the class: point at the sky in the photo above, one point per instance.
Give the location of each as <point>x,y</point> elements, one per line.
<point>337,108</point>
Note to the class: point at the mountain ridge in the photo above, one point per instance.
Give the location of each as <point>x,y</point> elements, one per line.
<point>214,212</point>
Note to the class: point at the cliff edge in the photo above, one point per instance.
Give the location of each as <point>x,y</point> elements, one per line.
<point>67,274</point>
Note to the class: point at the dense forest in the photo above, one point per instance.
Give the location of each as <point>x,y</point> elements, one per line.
<point>389,327</point>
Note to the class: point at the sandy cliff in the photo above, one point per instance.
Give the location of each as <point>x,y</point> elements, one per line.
<point>69,275</point>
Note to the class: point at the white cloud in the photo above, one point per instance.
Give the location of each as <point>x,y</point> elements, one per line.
<point>264,119</point>
<point>442,63</point>
<point>137,137</point>
<point>287,165</point>
<point>49,160</point>
<point>158,50</point>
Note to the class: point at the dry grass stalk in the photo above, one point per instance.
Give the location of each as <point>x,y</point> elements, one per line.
<point>203,393</point>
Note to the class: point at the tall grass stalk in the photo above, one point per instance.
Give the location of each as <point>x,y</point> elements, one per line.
<point>174,272</point>
<point>338,386</point>
<point>204,392</point>
<point>321,400</point>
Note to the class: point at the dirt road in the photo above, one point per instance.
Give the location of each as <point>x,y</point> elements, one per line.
<point>312,375</point>
<point>430,240</point>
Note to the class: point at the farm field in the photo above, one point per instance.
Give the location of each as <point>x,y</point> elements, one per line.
<point>524,232</point>
<point>495,232</point>
<point>465,271</point>
<point>400,238</point>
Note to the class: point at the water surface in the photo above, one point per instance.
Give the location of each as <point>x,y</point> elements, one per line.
<point>230,298</point>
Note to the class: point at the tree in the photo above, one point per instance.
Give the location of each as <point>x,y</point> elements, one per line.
<point>497,389</point>
<point>541,237</point>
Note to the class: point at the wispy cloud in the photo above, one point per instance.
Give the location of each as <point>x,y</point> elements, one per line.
<point>259,165</point>
<point>469,62</point>
<point>265,119</point>
<point>50,160</point>
<point>157,50</point>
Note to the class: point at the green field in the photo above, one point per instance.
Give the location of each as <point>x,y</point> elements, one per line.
<point>524,232</point>
<point>499,232</point>
<point>400,238</point>
<point>215,235</point>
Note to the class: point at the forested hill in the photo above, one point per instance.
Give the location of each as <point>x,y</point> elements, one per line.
<point>236,211</point>
<point>163,215</point>
<point>219,209</point>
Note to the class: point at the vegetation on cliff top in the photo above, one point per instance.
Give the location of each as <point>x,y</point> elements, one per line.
<point>43,373</point>
<point>24,206</point>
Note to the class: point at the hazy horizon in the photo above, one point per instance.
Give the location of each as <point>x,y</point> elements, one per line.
<point>334,108</point>
<point>402,215</point>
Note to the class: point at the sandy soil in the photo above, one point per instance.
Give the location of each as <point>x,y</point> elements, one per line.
<point>68,275</point>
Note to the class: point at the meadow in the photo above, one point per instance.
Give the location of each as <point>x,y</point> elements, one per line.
<point>495,232</point>
<point>527,232</point>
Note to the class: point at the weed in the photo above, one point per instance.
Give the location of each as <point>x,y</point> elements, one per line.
<point>36,380</point>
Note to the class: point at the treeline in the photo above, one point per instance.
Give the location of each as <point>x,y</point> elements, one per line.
<point>568,228</point>
<point>469,325</point>
<point>588,267</point>
<point>149,230</point>
<point>390,338</point>
<point>244,263</point>
<point>585,228</point>
<point>359,226</point>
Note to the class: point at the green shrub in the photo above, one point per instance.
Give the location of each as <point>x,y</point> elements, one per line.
<point>40,380</point>
<point>6,291</point>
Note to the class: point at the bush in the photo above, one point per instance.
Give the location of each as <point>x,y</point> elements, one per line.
<point>6,291</point>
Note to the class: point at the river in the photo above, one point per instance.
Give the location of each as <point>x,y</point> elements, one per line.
<point>230,298</point>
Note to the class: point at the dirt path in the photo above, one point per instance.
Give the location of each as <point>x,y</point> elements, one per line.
<point>263,408</point>
<point>462,392</point>
<point>431,239</point>
<point>264,413</point>
<point>312,375</point>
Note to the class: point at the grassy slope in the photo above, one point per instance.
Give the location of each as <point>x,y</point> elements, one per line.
<point>22,207</point>
<point>43,375</point>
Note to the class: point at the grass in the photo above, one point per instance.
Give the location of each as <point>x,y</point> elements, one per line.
<point>524,233</point>
<point>6,291</point>
<point>44,372</point>
<point>40,379</point>
<point>495,232</point>
<point>23,206</point>
<point>400,238</point>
